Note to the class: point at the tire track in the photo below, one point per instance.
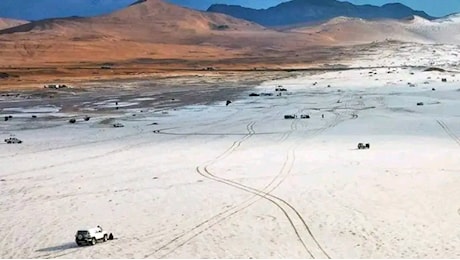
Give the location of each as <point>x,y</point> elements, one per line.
<point>449,132</point>
<point>293,127</point>
<point>299,225</point>
<point>71,146</point>
<point>226,214</point>
<point>287,209</point>
<point>189,235</point>
<point>89,158</point>
<point>53,149</point>
<point>207,224</point>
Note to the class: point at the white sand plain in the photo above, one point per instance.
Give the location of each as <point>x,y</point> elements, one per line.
<point>241,182</point>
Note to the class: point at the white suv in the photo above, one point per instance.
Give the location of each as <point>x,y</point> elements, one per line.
<point>90,236</point>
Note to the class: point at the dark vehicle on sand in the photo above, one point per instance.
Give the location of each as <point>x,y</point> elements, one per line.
<point>13,140</point>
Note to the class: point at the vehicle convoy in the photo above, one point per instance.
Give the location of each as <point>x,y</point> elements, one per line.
<point>91,236</point>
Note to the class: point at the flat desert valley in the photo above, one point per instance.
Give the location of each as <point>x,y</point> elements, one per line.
<point>189,177</point>
<point>203,162</point>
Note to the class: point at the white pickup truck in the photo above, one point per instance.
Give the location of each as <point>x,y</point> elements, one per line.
<point>90,236</point>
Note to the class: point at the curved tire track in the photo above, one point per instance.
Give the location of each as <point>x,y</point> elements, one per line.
<point>299,225</point>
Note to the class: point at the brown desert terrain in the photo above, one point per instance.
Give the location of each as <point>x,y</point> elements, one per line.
<point>149,36</point>
<point>154,37</point>
<point>147,30</point>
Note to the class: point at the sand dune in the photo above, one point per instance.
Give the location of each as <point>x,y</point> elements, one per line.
<point>438,31</point>
<point>139,21</point>
<point>6,23</point>
<point>138,32</point>
<point>343,30</point>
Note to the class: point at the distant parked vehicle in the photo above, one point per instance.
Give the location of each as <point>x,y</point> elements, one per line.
<point>13,140</point>
<point>118,125</point>
<point>305,116</point>
<point>362,146</point>
<point>280,88</point>
<point>91,236</point>
<point>420,104</point>
<point>254,95</point>
<point>290,116</point>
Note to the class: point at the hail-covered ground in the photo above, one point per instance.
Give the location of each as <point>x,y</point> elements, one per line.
<point>241,181</point>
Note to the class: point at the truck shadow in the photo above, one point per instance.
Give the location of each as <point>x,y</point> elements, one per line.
<point>62,247</point>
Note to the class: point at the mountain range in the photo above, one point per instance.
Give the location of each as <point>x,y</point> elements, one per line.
<point>157,32</point>
<point>308,11</point>
<point>146,30</point>
<point>297,11</point>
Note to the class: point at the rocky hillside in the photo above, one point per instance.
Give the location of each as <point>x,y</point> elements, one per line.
<point>307,11</point>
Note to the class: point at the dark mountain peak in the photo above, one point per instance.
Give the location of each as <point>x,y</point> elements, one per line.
<point>217,6</point>
<point>307,11</point>
<point>137,2</point>
<point>396,6</point>
<point>399,5</point>
<point>310,2</point>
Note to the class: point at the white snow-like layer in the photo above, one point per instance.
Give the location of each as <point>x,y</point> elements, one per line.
<point>454,18</point>
<point>444,30</point>
<point>36,109</point>
<point>240,181</point>
<point>386,54</point>
<point>113,104</point>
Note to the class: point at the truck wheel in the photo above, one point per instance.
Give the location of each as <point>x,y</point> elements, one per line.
<point>105,238</point>
<point>93,241</point>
